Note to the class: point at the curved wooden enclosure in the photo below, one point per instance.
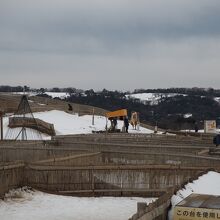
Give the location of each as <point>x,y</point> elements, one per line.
<point>33,123</point>
<point>109,165</point>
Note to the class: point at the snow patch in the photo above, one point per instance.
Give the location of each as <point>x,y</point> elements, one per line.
<point>36,205</point>
<point>61,95</point>
<point>152,98</point>
<point>188,115</point>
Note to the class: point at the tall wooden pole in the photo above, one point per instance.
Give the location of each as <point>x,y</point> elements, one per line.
<point>93,120</point>
<point>1,124</point>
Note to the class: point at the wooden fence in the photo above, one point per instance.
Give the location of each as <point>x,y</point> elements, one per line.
<point>11,176</point>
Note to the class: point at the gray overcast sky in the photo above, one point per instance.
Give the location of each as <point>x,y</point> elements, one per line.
<point>117,44</point>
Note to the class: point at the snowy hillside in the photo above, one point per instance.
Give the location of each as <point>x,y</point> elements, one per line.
<point>154,98</point>
<point>65,123</point>
<point>151,98</point>
<point>35,205</point>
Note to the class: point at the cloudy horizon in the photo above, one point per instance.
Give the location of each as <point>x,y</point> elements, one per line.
<point>120,45</point>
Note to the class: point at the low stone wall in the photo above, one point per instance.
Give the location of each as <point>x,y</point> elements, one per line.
<point>11,176</point>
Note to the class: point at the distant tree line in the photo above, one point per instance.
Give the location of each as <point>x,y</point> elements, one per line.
<point>11,88</point>
<point>187,91</point>
<point>70,90</point>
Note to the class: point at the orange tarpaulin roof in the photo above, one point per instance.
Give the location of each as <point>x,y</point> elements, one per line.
<point>118,113</point>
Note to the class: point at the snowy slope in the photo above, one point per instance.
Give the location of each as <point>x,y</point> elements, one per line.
<point>206,184</point>
<point>151,98</point>
<point>65,123</point>
<point>41,206</point>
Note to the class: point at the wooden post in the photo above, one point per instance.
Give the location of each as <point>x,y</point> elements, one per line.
<point>138,121</point>
<point>1,124</point>
<point>93,120</point>
<point>106,125</point>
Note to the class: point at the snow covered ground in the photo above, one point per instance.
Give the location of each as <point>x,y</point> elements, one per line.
<point>207,184</point>
<point>65,123</point>
<point>35,205</point>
